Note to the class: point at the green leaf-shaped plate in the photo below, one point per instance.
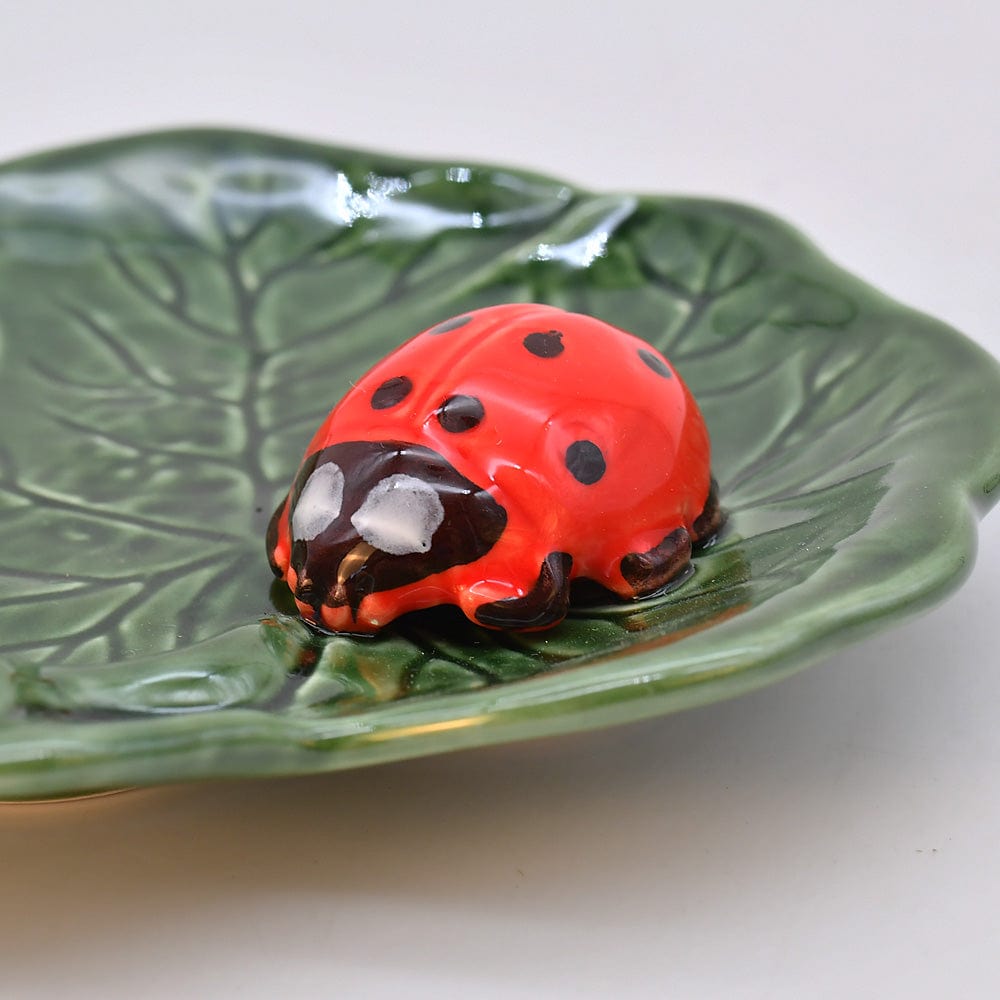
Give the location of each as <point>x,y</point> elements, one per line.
<point>177,313</point>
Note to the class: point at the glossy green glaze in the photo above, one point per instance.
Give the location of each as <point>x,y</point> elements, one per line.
<point>178,312</point>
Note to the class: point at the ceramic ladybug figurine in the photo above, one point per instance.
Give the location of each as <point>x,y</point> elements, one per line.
<point>487,463</point>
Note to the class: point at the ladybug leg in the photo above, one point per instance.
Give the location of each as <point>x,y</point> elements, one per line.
<point>645,572</point>
<point>710,520</point>
<point>545,604</point>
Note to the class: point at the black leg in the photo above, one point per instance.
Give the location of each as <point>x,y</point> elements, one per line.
<point>545,604</point>
<point>711,519</point>
<point>648,571</point>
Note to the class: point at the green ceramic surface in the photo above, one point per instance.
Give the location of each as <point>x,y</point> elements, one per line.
<point>178,311</point>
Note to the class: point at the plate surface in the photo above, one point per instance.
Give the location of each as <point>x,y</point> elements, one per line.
<point>178,311</point>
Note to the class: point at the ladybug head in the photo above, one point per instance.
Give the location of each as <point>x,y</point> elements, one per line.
<point>368,516</point>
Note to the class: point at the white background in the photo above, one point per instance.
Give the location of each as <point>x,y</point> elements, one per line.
<point>835,835</point>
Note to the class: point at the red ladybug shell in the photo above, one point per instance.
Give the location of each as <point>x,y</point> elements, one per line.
<point>488,462</point>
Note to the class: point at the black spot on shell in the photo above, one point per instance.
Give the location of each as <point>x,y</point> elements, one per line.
<point>655,363</point>
<point>585,462</point>
<point>449,324</point>
<point>391,392</point>
<point>545,345</point>
<point>460,413</point>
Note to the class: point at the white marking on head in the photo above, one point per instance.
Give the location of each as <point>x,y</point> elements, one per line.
<point>399,515</point>
<point>319,502</point>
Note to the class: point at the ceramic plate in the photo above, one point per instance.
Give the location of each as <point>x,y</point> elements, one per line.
<point>177,313</point>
